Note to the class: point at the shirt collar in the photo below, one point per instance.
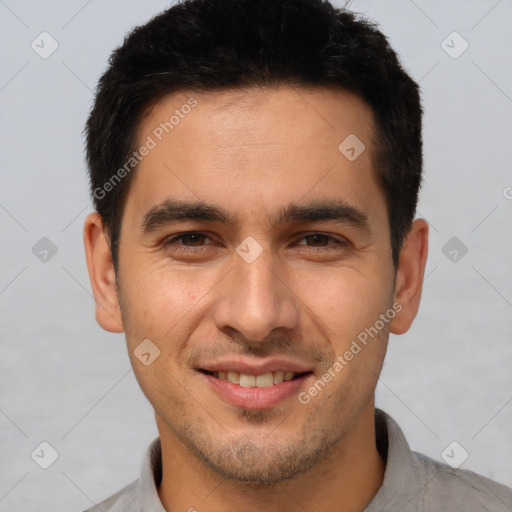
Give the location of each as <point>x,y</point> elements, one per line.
<point>151,476</point>
<point>400,476</point>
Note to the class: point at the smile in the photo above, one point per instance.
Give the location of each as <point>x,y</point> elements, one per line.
<point>261,391</point>
<point>263,380</point>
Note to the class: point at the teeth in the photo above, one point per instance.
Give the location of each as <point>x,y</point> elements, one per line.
<point>264,380</point>
<point>233,377</point>
<point>247,381</point>
<point>278,377</point>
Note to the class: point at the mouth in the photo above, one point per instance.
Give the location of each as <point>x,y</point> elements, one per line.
<point>263,389</point>
<point>262,380</point>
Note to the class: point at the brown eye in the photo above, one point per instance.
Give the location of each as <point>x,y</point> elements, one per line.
<point>321,240</point>
<point>186,241</point>
<point>192,238</point>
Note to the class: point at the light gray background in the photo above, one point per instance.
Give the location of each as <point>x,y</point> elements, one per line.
<point>67,382</point>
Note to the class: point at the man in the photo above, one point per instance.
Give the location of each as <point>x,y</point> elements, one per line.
<point>255,168</point>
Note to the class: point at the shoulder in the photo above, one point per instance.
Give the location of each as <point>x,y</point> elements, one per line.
<point>414,482</point>
<point>125,500</point>
<point>142,494</point>
<point>460,487</point>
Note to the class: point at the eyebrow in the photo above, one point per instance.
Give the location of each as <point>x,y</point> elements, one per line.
<point>171,211</point>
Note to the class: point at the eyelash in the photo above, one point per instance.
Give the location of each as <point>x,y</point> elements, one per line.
<point>185,248</point>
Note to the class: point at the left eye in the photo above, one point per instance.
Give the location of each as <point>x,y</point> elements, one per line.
<point>322,238</point>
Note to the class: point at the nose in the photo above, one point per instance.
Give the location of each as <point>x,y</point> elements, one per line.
<point>256,299</point>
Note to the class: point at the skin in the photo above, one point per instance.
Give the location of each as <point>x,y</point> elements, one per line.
<point>252,152</point>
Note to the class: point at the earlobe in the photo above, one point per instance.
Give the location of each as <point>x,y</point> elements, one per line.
<point>102,274</point>
<point>410,275</point>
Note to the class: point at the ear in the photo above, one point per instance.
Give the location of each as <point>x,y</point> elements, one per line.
<point>102,274</point>
<point>410,275</point>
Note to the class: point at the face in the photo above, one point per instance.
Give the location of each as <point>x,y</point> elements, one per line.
<point>253,254</point>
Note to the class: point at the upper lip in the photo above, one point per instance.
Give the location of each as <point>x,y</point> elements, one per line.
<point>255,367</point>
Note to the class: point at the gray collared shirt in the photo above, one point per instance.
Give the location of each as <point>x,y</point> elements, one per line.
<point>412,482</point>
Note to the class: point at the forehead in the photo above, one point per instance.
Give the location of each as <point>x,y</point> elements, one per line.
<point>254,149</point>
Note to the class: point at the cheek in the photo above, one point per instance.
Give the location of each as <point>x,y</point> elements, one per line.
<point>346,300</point>
<point>157,300</point>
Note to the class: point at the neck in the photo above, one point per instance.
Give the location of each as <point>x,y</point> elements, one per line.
<point>347,478</point>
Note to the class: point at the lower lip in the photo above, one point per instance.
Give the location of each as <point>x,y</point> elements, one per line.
<point>256,398</point>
